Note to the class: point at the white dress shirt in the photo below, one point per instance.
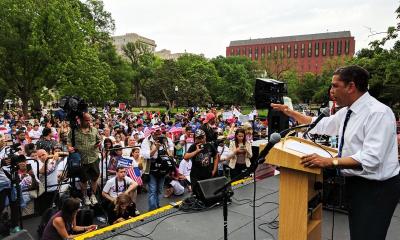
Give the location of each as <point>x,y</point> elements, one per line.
<point>146,147</point>
<point>370,137</point>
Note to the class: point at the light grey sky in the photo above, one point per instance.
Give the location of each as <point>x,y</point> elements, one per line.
<point>208,26</point>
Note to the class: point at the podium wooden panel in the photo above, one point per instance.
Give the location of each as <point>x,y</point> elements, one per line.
<point>295,190</point>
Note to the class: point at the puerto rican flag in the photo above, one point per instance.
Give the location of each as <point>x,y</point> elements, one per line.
<point>134,173</point>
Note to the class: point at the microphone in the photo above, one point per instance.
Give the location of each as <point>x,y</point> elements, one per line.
<point>274,139</point>
<point>324,113</point>
<point>295,128</point>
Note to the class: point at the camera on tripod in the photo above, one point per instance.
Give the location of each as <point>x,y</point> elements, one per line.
<point>12,159</point>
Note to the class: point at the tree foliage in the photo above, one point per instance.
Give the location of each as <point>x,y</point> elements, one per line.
<point>41,43</point>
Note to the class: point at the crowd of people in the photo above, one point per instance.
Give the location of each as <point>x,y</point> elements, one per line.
<point>122,153</point>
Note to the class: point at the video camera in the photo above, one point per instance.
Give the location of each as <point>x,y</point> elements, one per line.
<point>74,107</point>
<point>12,159</point>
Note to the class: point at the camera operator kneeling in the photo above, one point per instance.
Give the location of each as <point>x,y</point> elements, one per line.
<point>63,224</point>
<point>120,184</point>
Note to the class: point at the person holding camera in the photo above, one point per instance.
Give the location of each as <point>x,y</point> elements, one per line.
<point>204,160</point>
<point>241,153</point>
<point>5,189</point>
<point>87,141</point>
<point>157,151</point>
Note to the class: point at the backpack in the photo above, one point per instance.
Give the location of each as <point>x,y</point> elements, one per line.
<point>85,217</point>
<point>74,165</point>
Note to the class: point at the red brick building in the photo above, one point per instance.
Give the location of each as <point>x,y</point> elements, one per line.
<point>306,53</point>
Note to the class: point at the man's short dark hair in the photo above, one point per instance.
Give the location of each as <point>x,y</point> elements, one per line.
<point>46,132</point>
<point>119,168</point>
<point>355,74</point>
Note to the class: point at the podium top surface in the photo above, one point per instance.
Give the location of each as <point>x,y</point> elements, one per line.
<point>288,152</point>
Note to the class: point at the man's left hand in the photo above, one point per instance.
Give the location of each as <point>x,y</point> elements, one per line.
<point>316,161</point>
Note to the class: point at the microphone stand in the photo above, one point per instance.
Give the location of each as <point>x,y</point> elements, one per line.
<point>226,195</point>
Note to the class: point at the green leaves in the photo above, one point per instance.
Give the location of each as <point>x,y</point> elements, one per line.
<point>55,44</point>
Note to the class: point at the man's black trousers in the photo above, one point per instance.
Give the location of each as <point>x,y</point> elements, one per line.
<point>371,206</point>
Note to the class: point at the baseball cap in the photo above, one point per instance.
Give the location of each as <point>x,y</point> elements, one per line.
<point>199,133</point>
<point>209,117</point>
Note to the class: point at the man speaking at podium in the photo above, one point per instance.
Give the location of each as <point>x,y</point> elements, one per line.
<point>367,152</point>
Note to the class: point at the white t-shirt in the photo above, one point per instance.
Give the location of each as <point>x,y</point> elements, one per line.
<point>187,144</point>
<point>35,135</point>
<point>185,167</point>
<point>52,170</point>
<point>111,189</point>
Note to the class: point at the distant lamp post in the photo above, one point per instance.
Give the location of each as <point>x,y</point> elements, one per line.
<point>176,97</point>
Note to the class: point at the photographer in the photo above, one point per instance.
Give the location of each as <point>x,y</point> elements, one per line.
<point>241,153</point>
<point>5,190</point>
<point>204,160</point>
<point>155,149</point>
<point>87,140</point>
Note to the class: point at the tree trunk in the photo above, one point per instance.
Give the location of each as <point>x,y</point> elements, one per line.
<point>25,106</point>
<point>37,107</point>
<point>137,94</point>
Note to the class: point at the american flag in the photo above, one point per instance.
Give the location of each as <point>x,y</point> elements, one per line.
<point>134,173</point>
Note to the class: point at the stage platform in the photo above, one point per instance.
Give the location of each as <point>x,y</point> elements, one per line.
<point>208,224</point>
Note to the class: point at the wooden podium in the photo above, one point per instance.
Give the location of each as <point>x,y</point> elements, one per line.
<point>296,221</point>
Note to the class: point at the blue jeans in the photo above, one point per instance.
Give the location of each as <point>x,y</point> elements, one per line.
<point>156,185</point>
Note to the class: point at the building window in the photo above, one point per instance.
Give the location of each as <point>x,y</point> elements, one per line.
<point>347,47</point>
<point>238,52</point>
<point>262,52</point>
<point>256,53</point>
<point>331,48</point>
<point>282,51</point>
<point>275,48</point>
<point>317,49</point>
<point>302,50</point>
<point>250,52</point>
<point>309,49</point>
<point>269,51</point>
<point>232,51</point>
<point>324,49</point>
<point>288,52</point>
<point>295,50</point>
<point>339,47</point>
<point>244,51</point>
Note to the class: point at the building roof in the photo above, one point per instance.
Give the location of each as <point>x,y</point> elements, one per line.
<point>295,38</point>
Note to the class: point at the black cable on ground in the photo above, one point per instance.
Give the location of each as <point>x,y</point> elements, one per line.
<point>236,229</point>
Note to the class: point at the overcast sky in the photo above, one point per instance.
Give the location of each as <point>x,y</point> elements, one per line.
<point>208,26</point>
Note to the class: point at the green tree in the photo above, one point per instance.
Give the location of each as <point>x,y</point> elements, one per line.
<point>88,77</point>
<point>40,41</point>
<point>143,63</point>
<point>237,78</point>
<point>120,72</point>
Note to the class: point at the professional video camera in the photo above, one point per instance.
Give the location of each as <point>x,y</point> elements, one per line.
<point>11,158</point>
<point>74,107</point>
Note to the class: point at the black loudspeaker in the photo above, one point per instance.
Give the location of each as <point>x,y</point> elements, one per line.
<point>208,187</point>
<point>267,91</point>
<point>277,121</point>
